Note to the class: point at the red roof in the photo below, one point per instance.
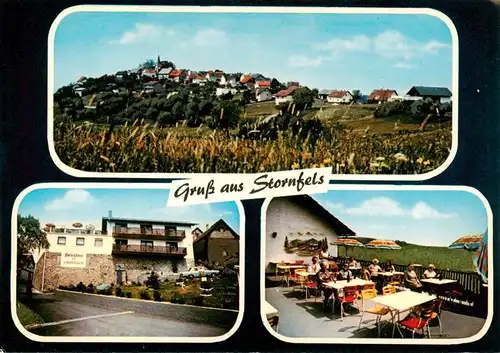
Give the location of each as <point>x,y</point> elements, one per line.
<point>149,71</point>
<point>381,94</point>
<point>337,94</point>
<point>264,83</point>
<point>176,73</point>
<point>286,92</point>
<point>246,78</point>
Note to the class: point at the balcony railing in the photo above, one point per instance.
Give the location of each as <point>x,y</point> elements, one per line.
<point>153,250</point>
<point>76,231</point>
<point>138,232</point>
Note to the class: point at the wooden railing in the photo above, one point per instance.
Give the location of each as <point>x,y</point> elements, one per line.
<point>137,231</point>
<point>470,281</point>
<point>139,249</point>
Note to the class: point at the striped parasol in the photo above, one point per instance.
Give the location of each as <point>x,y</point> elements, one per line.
<point>382,244</point>
<point>469,242</point>
<point>347,242</point>
<point>481,258</point>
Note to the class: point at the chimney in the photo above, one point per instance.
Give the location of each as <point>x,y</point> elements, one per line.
<point>110,214</point>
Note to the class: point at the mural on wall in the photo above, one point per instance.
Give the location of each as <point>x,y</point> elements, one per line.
<point>305,247</point>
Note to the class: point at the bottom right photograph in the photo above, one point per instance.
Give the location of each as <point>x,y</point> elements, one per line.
<point>360,264</point>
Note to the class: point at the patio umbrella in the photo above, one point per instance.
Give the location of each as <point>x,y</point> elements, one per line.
<point>347,242</point>
<point>382,244</point>
<point>469,242</point>
<point>481,258</point>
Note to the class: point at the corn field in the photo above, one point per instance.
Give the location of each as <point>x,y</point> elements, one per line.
<point>144,148</point>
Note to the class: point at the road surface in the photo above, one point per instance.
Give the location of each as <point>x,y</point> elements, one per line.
<point>65,316</point>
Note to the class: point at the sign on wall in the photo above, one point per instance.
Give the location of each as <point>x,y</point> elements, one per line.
<point>75,260</point>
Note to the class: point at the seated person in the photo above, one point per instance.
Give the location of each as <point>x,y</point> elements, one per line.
<point>323,277</point>
<point>364,274</point>
<point>411,279</point>
<point>389,267</point>
<point>314,266</point>
<point>332,266</point>
<point>353,263</point>
<point>345,273</point>
<point>431,273</point>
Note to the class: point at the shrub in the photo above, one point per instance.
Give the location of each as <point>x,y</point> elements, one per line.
<point>90,288</point>
<point>144,294</point>
<point>80,287</point>
<point>388,109</point>
<point>157,296</point>
<point>178,299</point>
<point>108,291</point>
<point>128,294</point>
<point>153,281</point>
<point>118,292</point>
<point>198,300</point>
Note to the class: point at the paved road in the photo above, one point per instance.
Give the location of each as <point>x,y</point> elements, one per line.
<point>120,320</point>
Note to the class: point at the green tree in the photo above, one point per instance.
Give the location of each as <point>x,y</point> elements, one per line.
<point>148,64</point>
<point>303,97</point>
<point>356,95</point>
<point>225,115</point>
<point>29,235</point>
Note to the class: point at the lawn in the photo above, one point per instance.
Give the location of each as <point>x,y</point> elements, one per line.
<point>442,257</point>
<point>27,316</point>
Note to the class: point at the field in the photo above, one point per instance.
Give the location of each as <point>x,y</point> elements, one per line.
<point>441,257</point>
<point>357,143</point>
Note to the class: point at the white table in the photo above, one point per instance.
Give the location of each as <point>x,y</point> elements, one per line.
<point>388,274</point>
<point>270,311</point>
<point>402,301</point>
<point>438,281</point>
<point>287,268</point>
<point>343,283</point>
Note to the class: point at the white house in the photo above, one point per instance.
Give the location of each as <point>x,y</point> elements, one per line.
<point>228,80</point>
<point>437,94</point>
<point>149,73</point>
<point>263,94</point>
<point>295,225</point>
<point>285,96</point>
<point>340,97</point>
<point>220,91</point>
<point>164,73</point>
<point>381,95</point>
<point>79,91</point>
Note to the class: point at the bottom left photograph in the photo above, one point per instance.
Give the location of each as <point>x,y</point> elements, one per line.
<point>107,262</point>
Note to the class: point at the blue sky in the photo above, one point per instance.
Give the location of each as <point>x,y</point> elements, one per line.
<point>64,207</point>
<point>324,51</point>
<point>434,218</point>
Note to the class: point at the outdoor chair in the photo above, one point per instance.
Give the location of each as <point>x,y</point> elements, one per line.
<point>369,286</point>
<point>350,296</point>
<point>311,286</point>
<point>299,281</point>
<point>388,290</point>
<point>421,317</point>
<point>396,280</point>
<point>294,277</point>
<point>379,310</point>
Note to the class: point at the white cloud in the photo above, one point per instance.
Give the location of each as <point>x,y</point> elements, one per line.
<point>72,198</point>
<point>434,46</point>
<point>341,45</point>
<point>209,37</point>
<point>403,65</point>
<point>422,211</point>
<point>379,206</point>
<point>384,206</point>
<point>333,205</point>
<point>304,61</point>
<point>144,32</point>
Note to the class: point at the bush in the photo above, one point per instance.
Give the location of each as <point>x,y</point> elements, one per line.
<point>178,299</point>
<point>80,287</point>
<point>118,292</point>
<point>157,296</point>
<point>153,281</point>
<point>90,288</point>
<point>128,294</point>
<point>144,294</point>
<point>108,291</point>
<point>198,300</point>
<point>388,109</point>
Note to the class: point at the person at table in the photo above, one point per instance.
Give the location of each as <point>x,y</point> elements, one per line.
<point>431,273</point>
<point>353,263</point>
<point>323,277</point>
<point>411,279</point>
<point>314,266</point>
<point>364,273</point>
<point>389,267</point>
<point>374,269</point>
<point>345,273</point>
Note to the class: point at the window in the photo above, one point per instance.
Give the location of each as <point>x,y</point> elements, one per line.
<point>147,243</point>
<point>98,242</point>
<point>121,242</point>
<point>80,241</point>
<point>146,229</point>
<point>61,240</point>
<point>119,227</point>
<point>172,245</point>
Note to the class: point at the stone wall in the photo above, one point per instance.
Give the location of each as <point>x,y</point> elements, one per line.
<point>101,269</point>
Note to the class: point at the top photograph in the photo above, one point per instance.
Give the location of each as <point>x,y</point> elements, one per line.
<point>159,91</point>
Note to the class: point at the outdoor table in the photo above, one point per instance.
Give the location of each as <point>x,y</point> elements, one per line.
<point>433,283</point>
<point>271,313</point>
<point>306,274</point>
<point>288,268</point>
<point>402,301</point>
<point>343,283</point>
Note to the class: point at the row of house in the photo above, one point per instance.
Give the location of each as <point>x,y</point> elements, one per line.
<point>124,249</point>
<point>437,94</point>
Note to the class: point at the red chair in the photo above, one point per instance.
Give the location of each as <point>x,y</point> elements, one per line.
<point>311,286</point>
<point>350,297</point>
<point>421,318</point>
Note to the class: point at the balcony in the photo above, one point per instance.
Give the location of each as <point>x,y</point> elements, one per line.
<point>137,232</point>
<point>148,250</point>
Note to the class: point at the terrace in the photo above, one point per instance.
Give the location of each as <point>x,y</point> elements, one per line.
<point>149,250</point>
<point>461,315</point>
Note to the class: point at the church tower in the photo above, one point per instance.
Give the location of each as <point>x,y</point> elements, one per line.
<point>158,64</point>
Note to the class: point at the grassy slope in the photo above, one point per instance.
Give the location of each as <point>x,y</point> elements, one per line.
<point>441,257</point>
<point>27,316</point>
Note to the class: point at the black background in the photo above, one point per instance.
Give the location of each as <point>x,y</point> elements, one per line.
<point>25,160</point>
